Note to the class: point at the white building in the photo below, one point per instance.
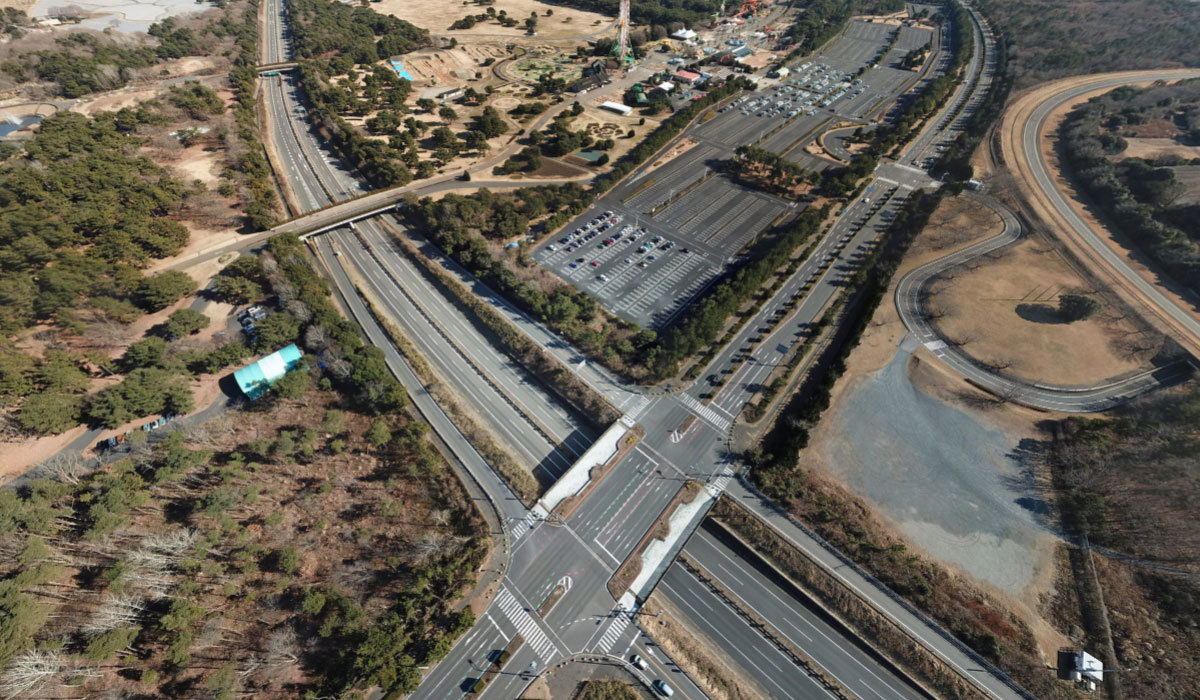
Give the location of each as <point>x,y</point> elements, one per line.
<point>618,108</point>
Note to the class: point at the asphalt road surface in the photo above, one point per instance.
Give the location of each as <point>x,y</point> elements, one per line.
<point>791,617</point>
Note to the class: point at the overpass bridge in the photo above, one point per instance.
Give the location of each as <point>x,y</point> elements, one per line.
<point>276,67</point>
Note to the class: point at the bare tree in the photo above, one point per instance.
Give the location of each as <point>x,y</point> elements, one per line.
<point>299,309</point>
<point>66,467</point>
<point>316,338</point>
<point>280,657</point>
<point>116,611</point>
<point>30,671</point>
<point>1002,362</point>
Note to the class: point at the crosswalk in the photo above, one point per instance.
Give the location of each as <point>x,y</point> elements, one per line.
<point>522,527</point>
<point>704,412</point>
<point>526,626</point>
<point>639,405</point>
<point>718,484</point>
<point>613,633</point>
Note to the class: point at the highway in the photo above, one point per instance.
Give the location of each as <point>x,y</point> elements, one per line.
<point>1101,396</point>
<point>789,614</point>
<point>545,436</point>
<point>1182,317</point>
<point>684,438</point>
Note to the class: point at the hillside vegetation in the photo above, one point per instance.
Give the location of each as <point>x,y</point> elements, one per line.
<point>315,542</point>
<point>1131,483</point>
<point>1144,198</point>
<point>1055,38</point>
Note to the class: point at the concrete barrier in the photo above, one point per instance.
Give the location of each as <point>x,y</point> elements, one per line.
<point>577,477</point>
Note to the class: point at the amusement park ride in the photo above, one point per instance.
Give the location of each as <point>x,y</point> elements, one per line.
<point>625,56</point>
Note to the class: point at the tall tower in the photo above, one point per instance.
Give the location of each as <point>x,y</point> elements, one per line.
<point>623,31</point>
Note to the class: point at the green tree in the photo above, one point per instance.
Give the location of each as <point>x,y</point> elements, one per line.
<point>447,114</point>
<point>378,434</point>
<point>182,614</point>
<point>102,648</point>
<point>59,370</point>
<point>287,560</point>
<point>51,412</point>
<point>185,322</point>
<point>237,290</point>
<point>164,289</point>
<point>334,421</point>
<point>147,352</point>
<point>276,330</point>
<point>293,385</point>
<point>1076,307</point>
<point>491,123</point>
<point>426,104</point>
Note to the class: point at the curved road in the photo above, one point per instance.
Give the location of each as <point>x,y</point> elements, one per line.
<point>1097,397</point>
<point>1177,316</point>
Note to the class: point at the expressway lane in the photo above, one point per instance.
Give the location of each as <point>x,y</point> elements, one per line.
<point>617,512</point>
<point>624,396</point>
<point>762,591</point>
<point>1100,396</point>
<point>1181,316</point>
<point>505,420</point>
<point>531,396</point>
<point>508,506</point>
<point>772,670</point>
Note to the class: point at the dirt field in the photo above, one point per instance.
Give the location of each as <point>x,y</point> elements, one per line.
<point>1003,310</point>
<point>445,68</point>
<point>1015,117</point>
<point>437,16</point>
<point>22,5</point>
<point>1149,148</point>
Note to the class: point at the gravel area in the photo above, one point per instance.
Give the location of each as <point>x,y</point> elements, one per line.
<point>954,486</point>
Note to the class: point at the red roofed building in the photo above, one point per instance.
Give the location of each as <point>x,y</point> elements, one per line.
<point>686,77</point>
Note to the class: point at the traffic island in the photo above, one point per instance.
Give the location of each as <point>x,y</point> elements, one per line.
<point>691,650</point>
<point>650,558</point>
<point>497,659</point>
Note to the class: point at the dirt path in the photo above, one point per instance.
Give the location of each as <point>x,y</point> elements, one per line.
<point>1018,114</point>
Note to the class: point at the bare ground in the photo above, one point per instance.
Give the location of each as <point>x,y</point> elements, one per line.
<point>978,530</point>
<point>1003,310</point>
<point>565,23</point>
<point>1149,148</point>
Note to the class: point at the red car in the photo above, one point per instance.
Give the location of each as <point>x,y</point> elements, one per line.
<point>595,264</point>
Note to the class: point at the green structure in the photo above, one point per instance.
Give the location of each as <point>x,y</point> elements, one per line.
<point>254,379</point>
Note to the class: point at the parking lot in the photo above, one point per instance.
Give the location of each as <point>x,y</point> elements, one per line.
<point>661,237</point>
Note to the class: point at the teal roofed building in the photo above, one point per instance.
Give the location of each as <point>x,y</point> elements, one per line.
<point>254,379</point>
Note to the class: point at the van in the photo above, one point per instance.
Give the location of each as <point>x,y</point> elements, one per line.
<point>665,690</point>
